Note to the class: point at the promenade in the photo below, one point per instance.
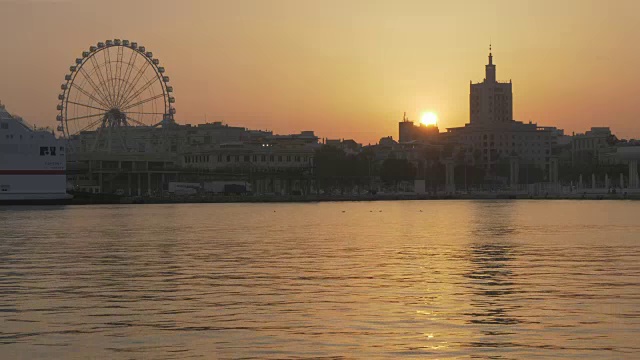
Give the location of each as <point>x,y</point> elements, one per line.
<point>364,197</point>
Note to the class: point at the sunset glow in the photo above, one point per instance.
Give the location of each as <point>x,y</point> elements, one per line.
<point>429,118</point>
<point>288,66</point>
<point>328,179</point>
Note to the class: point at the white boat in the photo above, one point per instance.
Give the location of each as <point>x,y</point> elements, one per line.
<point>32,163</point>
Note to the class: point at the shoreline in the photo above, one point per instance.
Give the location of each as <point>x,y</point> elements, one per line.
<point>221,199</point>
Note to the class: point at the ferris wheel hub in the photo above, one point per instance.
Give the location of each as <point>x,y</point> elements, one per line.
<point>115,118</point>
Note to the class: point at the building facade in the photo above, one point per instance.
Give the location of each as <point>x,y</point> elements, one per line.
<point>594,146</point>
<point>491,101</point>
<point>186,153</point>
<point>409,132</point>
<point>492,136</point>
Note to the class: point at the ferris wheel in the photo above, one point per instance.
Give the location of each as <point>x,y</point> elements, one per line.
<point>115,87</point>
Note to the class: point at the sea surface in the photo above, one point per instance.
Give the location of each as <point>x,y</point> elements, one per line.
<point>371,280</point>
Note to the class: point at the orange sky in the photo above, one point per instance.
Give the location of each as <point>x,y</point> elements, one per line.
<point>344,68</point>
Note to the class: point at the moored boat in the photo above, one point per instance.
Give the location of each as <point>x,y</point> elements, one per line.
<point>32,163</point>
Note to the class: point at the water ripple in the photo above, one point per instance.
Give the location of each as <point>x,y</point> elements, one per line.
<point>419,279</point>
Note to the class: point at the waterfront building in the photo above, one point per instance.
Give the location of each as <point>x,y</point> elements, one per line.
<point>349,146</point>
<point>490,101</point>
<point>176,153</point>
<point>492,136</point>
<point>594,146</point>
<point>171,139</point>
<point>409,132</point>
<point>270,153</point>
<point>387,141</point>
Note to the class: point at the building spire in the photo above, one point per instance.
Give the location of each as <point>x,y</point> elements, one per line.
<point>490,68</point>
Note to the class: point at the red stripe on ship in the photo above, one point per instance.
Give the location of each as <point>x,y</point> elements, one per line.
<point>32,172</point>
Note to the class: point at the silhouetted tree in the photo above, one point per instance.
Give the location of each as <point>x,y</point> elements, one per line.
<point>503,168</point>
<point>530,174</point>
<point>329,167</point>
<point>337,170</point>
<point>396,170</point>
<point>472,174</point>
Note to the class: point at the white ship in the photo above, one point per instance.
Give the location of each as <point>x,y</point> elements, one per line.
<point>32,163</point>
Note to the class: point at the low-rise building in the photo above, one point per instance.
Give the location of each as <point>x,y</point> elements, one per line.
<point>594,146</point>
<point>128,159</point>
<point>409,132</point>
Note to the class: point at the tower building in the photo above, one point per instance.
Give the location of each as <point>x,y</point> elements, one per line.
<point>490,102</point>
<point>492,136</point>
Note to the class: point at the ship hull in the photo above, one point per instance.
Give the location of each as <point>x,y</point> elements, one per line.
<point>35,199</point>
<point>35,202</point>
<point>32,164</point>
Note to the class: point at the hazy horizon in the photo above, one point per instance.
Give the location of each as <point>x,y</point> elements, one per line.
<point>342,69</point>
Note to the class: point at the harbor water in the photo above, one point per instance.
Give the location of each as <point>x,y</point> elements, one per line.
<point>499,279</point>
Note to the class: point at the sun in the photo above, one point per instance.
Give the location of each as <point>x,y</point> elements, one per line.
<point>429,118</point>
